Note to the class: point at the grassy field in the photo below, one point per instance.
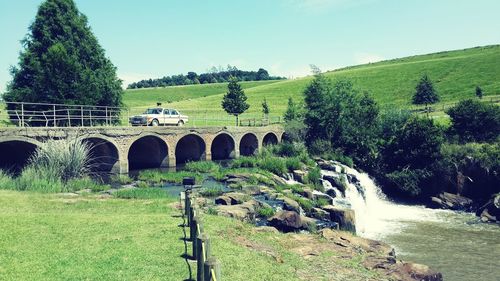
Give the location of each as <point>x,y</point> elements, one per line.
<point>90,237</point>
<point>392,83</point>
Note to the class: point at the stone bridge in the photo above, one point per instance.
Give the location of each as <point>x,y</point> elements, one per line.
<point>120,149</point>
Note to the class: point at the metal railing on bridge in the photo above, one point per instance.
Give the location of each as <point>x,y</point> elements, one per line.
<point>28,114</point>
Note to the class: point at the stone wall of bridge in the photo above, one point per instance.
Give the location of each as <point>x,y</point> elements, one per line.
<point>118,149</point>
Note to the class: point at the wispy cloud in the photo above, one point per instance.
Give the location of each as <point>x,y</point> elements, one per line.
<point>129,78</point>
<point>363,58</point>
<point>325,5</point>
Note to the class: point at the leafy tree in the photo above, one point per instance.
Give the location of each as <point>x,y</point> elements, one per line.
<point>472,120</point>
<point>339,115</point>
<point>410,156</point>
<point>234,101</point>
<point>265,108</point>
<point>425,92</point>
<point>62,61</point>
<point>479,92</point>
<point>262,74</point>
<point>293,111</point>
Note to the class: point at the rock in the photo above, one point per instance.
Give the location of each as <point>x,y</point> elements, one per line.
<point>243,212</point>
<point>329,166</point>
<point>290,205</point>
<point>299,175</point>
<point>278,180</point>
<point>336,182</point>
<point>344,217</point>
<point>320,195</point>
<point>319,213</point>
<point>331,192</point>
<point>451,201</point>
<point>252,189</point>
<point>86,190</point>
<point>286,221</point>
<point>266,229</point>
<point>307,193</point>
<point>308,223</point>
<point>421,272</point>
<point>223,200</point>
<point>287,192</point>
<point>490,212</point>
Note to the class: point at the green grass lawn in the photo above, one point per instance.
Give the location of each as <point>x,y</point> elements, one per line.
<point>89,237</point>
<point>55,237</point>
<point>392,83</point>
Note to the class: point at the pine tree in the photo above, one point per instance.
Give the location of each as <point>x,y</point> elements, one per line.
<point>425,93</point>
<point>234,101</point>
<point>62,62</point>
<point>265,108</point>
<point>479,92</point>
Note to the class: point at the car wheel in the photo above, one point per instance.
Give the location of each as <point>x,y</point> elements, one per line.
<point>181,123</point>
<point>155,123</point>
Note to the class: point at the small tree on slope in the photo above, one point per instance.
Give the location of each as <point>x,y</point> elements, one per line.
<point>425,92</point>
<point>234,101</point>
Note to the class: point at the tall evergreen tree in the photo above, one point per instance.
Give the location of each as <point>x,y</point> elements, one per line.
<point>425,92</point>
<point>234,101</point>
<point>62,61</point>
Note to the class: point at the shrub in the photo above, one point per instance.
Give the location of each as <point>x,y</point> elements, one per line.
<point>202,167</point>
<point>266,212</point>
<point>142,184</point>
<point>321,202</point>
<point>142,193</point>
<point>32,179</point>
<point>245,162</point>
<point>211,192</point>
<point>409,181</point>
<point>158,177</point>
<point>293,163</point>
<point>274,165</point>
<point>314,176</point>
<point>62,159</point>
<point>320,147</point>
<point>84,183</point>
<point>6,181</point>
<point>121,179</point>
<point>472,120</point>
<point>212,211</point>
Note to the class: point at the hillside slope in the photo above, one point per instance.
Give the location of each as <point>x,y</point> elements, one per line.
<point>391,83</point>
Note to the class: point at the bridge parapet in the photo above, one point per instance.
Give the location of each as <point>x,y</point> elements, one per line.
<point>123,148</point>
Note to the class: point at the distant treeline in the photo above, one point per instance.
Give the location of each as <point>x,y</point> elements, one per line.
<point>215,75</point>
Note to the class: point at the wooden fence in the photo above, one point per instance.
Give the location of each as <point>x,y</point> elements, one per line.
<point>208,267</point>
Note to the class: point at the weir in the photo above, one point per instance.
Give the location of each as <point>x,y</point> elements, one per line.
<point>118,149</point>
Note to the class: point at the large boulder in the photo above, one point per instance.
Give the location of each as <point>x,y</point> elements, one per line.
<point>420,272</point>
<point>344,217</point>
<point>286,221</point>
<point>319,214</point>
<point>451,201</point>
<point>320,195</point>
<point>231,198</point>
<point>307,193</point>
<point>290,205</point>
<point>490,212</point>
<point>329,166</point>
<point>299,175</point>
<point>243,212</point>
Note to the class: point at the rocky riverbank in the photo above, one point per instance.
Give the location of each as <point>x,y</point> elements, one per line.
<point>317,217</point>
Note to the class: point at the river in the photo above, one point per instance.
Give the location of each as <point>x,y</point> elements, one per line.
<point>454,243</point>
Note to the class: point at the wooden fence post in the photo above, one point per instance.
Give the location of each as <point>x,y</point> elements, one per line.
<point>212,269</point>
<point>187,206</point>
<point>203,252</point>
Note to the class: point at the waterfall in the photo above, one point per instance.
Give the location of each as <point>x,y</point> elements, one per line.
<point>376,216</point>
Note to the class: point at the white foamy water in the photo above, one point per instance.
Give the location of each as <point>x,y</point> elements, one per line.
<point>376,216</point>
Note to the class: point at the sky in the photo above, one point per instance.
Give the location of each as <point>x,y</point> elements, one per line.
<point>154,38</point>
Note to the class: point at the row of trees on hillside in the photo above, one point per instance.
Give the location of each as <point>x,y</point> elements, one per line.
<point>409,155</point>
<point>215,75</point>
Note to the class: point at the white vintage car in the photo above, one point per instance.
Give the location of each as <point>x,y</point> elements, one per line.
<point>159,116</point>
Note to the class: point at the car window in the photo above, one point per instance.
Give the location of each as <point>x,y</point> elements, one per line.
<point>174,112</point>
<point>166,112</point>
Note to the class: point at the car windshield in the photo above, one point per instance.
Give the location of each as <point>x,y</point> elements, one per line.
<point>153,111</point>
<point>174,112</point>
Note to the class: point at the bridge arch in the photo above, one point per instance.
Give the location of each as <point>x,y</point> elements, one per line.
<point>15,153</point>
<point>223,147</point>
<point>270,139</point>
<point>147,151</point>
<point>249,144</point>
<point>104,153</point>
<point>190,147</point>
